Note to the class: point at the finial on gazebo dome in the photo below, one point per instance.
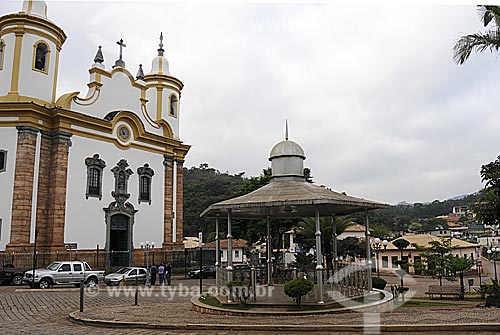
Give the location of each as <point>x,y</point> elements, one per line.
<point>286,129</point>
<point>99,58</point>
<point>161,50</point>
<point>140,73</point>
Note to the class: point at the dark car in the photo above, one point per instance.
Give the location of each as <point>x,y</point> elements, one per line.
<point>206,272</point>
<point>11,275</point>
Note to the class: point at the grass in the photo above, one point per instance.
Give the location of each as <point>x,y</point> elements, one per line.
<point>417,302</point>
<point>213,301</point>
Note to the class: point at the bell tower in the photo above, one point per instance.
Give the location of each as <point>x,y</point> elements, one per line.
<point>29,55</point>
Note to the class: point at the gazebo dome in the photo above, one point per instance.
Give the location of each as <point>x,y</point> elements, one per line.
<point>287,159</point>
<point>287,148</point>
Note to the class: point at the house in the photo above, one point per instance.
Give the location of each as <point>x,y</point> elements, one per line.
<point>239,246</point>
<point>386,259</point>
<point>356,230</point>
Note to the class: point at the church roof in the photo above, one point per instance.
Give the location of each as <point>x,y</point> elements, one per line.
<point>291,198</point>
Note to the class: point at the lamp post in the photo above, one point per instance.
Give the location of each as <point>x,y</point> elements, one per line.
<point>146,247</point>
<point>494,252</point>
<point>377,247</point>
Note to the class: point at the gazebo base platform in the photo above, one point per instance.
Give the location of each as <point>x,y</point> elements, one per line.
<point>278,303</point>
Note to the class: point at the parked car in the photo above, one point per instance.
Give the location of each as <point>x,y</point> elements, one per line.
<point>206,272</point>
<point>131,275</point>
<point>66,272</point>
<point>11,275</point>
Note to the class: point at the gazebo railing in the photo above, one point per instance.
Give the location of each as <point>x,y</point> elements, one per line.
<point>350,281</point>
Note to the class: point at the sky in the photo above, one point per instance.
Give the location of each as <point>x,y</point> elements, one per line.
<point>370,91</point>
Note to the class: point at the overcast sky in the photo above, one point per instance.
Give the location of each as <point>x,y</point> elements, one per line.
<point>370,91</point>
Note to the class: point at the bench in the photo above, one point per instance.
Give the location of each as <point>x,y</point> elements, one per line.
<point>450,290</point>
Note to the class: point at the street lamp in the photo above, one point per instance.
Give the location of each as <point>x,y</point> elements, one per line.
<point>494,252</point>
<point>377,248</point>
<point>147,247</point>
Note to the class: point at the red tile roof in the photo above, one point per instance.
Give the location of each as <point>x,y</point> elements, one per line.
<point>237,244</point>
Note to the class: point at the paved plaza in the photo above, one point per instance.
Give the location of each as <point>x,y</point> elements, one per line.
<point>46,312</point>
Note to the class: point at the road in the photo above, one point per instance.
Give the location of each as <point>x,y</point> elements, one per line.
<point>46,312</point>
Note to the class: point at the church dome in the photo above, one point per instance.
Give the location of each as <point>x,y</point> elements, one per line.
<point>286,148</point>
<point>35,8</point>
<point>160,64</point>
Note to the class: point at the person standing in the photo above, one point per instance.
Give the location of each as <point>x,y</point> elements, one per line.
<point>161,273</point>
<point>152,273</point>
<point>168,273</point>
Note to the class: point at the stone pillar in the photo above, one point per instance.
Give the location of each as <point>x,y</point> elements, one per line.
<point>23,189</point>
<point>179,214</point>
<point>43,195</point>
<point>51,193</point>
<point>58,183</point>
<point>168,214</point>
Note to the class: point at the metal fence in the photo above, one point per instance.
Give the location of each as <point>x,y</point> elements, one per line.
<point>181,260</point>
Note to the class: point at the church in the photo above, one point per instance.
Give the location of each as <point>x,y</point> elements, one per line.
<point>102,167</point>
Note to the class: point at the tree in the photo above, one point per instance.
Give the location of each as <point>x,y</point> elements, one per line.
<point>488,208</point>
<point>306,234</point>
<point>459,265</point>
<point>490,17</point>
<point>434,259</point>
<point>297,288</point>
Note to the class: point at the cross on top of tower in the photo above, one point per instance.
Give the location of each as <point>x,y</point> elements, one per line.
<point>161,50</point>
<point>120,61</point>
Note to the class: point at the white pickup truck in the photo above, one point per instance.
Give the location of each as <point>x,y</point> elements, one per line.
<point>63,273</point>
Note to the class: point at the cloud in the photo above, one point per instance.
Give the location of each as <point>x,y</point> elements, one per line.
<point>370,91</point>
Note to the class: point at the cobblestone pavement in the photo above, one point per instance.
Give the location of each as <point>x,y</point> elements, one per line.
<point>35,312</point>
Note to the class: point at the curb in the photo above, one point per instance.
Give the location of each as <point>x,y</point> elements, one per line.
<point>426,328</point>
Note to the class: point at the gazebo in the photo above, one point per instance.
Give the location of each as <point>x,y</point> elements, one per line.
<point>289,195</point>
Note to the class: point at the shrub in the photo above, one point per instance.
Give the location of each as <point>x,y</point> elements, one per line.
<point>297,288</point>
<point>379,283</point>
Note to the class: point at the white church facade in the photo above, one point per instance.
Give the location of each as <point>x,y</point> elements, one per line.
<point>102,167</point>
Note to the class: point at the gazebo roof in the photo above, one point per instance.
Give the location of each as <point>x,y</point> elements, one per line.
<point>291,198</point>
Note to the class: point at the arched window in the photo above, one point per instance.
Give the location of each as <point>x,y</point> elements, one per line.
<point>41,60</point>
<point>145,189</point>
<point>145,177</point>
<point>94,181</point>
<point>2,51</point>
<point>95,166</point>
<point>173,105</point>
<point>3,160</point>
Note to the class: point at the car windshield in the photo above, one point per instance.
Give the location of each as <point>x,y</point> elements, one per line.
<point>53,266</point>
<point>123,270</point>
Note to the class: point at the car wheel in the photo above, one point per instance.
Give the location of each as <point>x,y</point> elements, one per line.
<point>17,280</point>
<point>44,283</point>
<point>91,282</point>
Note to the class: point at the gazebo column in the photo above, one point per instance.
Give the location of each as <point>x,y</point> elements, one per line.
<point>229,248</point>
<point>269,249</point>
<point>319,261</point>
<point>334,242</point>
<point>217,253</point>
<point>368,252</point>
